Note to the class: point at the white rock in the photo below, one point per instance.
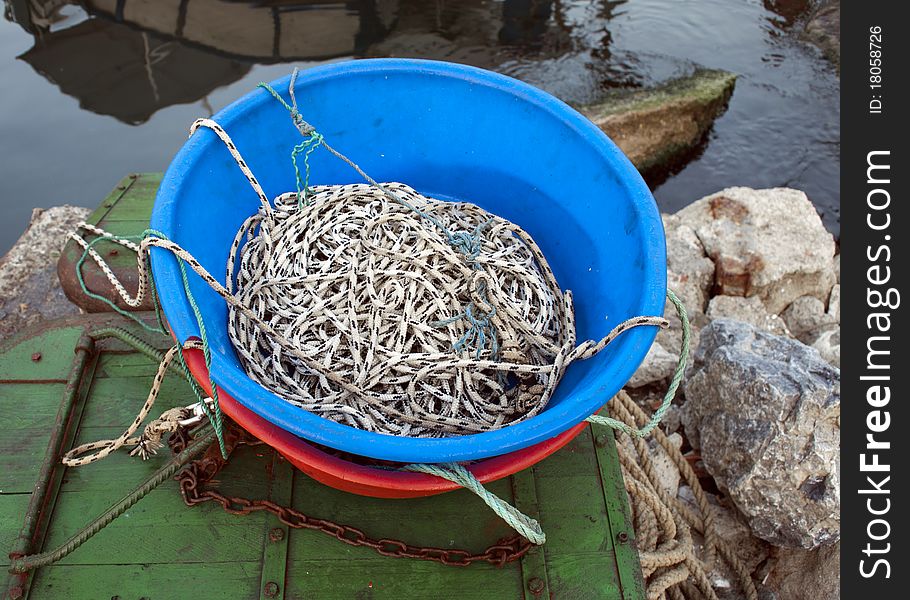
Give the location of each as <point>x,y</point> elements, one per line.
<point>657,366</point>
<point>806,318</point>
<point>666,470</point>
<point>834,303</point>
<point>690,273</point>
<point>749,310</point>
<point>672,420</point>
<point>766,243</point>
<point>828,345</point>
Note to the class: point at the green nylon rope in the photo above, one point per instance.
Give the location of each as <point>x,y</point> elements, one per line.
<point>26,563</point>
<point>517,520</point>
<point>674,382</point>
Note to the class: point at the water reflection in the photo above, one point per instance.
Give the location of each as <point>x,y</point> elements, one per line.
<point>132,59</point>
<point>138,56</point>
<point>115,70</point>
<point>788,12</point>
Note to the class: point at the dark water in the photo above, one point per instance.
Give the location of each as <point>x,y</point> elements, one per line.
<point>93,90</point>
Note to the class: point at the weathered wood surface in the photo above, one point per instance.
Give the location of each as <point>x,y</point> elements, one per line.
<point>162,549</point>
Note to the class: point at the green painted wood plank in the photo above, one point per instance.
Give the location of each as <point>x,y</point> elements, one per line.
<point>111,199</point>
<point>159,529</point>
<point>149,581</point>
<point>55,347</point>
<point>571,500</point>
<point>121,260</point>
<point>574,510</point>
<point>28,410</point>
<point>130,365</point>
<point>244,475</point>
<point>619,515</point>
<point>49,479</point>
<point>12,512</point>
<point>533,563</point>
<point>23,452</point>
<point>137,200</point>
<point>29,406</point>
<point>117,400</point>
<point>457,519</point>
<point>576,458</point>
<point>132,198</point>
<point>275,541</point>
<point>581,577</point>
<point>312,577</point>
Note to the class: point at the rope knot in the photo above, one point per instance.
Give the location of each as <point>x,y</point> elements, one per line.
<point>305,129</point>
<point>467,243</point>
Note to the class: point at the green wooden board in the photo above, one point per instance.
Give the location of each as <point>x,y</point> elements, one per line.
<point>162,549</point>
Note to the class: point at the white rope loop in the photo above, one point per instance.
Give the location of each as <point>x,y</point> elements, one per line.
<point>146,444</point>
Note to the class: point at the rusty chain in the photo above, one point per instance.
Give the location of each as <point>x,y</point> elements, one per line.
<point>195,478</point>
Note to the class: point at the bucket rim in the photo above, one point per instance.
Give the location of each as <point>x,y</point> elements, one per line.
<point>634,343</point>
<point>365,480</point>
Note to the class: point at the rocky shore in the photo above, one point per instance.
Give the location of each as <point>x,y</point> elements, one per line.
<point>29,289</point>
<point>759,412</point>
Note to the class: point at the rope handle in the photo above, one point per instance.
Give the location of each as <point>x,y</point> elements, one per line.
<point>678,373</point>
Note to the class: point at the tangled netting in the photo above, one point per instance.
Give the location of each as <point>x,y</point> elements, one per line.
<point>415,335</point>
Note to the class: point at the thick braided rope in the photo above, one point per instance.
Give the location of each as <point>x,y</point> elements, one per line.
<point>666,550</point>
<point>703,523</point>
<point>523,524</point>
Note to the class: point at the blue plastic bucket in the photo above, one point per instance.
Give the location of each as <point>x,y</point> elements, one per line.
<point>452,132</point>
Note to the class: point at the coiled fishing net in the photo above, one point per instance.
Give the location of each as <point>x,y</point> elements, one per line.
<point>380,308</point>
<point>412,335</point>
